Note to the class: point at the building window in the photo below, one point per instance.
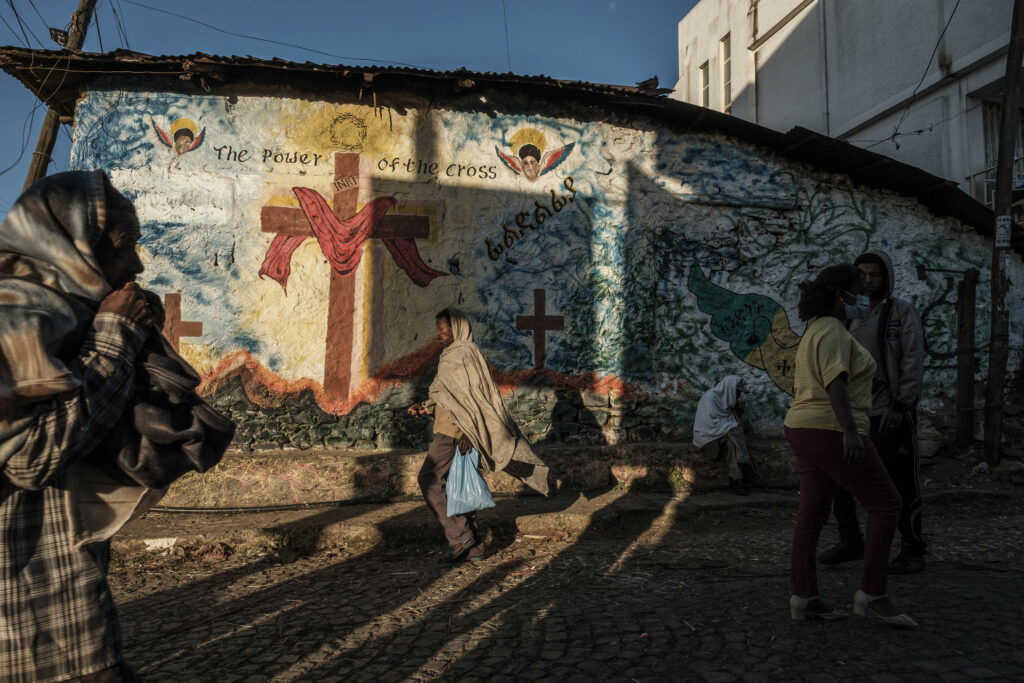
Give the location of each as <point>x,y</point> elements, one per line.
<point>726,75</point>
<point>705,85</point>
<point>983,184</point>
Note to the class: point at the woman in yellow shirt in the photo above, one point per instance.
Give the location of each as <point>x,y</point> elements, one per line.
<point>827,427</point>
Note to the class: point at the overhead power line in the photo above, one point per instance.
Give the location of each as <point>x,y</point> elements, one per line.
<point>14,33</point>
<point>30,117</point>
<point>96,20</point>
<point>36,10</point>
<point>269,40</point>
<point>21,24</point>
<point>48,133</point>
<point>508,49</point>
<point>26,129</point>
<point>121,29</point>
<point>913,95</point>
<point>920,131</point>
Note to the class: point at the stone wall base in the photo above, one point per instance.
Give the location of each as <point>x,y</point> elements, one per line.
<point>317,476</point>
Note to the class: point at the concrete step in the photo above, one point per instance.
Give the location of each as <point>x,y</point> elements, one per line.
<point>411,521</point>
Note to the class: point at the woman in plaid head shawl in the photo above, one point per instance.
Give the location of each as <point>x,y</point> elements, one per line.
<point>72,320</point>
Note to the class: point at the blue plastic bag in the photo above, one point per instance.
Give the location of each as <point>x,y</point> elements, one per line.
<point>467,490</point>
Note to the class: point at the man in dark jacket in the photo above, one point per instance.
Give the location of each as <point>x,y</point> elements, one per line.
<point>891,330</point>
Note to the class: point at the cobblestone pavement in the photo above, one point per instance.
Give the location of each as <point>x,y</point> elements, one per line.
<point>700,598</point>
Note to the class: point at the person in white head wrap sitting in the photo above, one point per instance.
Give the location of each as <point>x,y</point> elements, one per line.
<point>468,412</point>
<point>717,428</point>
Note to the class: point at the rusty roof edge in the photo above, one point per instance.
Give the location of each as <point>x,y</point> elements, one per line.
<point>13,55</point>
<point>799,144</point>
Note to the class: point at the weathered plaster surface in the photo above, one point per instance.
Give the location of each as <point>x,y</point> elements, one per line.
<point>667,259</point>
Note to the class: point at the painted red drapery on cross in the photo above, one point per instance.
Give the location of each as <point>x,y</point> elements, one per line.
<point>341,240</point>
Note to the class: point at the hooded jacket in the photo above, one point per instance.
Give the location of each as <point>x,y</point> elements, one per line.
<point>899,338</point>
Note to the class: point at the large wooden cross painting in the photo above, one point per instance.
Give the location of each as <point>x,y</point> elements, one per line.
<point>342,230</point>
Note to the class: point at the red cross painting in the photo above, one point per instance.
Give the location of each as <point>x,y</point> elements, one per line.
<point>539,323</point>
<point>341,232</point>
<point>174,327</point>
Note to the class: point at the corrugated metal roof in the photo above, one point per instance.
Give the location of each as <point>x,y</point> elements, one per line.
<point>58,77</point>
<point>36,68</point>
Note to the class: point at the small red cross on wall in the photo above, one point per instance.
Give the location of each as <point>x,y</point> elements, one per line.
<point>539,324</point>
<point>174,327</point>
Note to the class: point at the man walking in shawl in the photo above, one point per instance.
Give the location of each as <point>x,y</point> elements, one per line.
<point>75,462</point>
<point>716,428</point>
<point>468,412</point>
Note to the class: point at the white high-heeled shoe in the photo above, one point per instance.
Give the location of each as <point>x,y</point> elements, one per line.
<point>813,608</point>
<point>862,608</point>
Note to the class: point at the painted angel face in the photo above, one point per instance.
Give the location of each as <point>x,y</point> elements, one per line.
<point>531,167</point>
<point>183,137</point>
<point>182,144</point>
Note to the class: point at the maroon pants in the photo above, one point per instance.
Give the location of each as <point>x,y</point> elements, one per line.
<point>433,478</point>
<point>821,465</point>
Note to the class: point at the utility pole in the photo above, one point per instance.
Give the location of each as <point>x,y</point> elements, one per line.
<point>1000,336</point>
<point>48,134</point>
<point>965,299</point>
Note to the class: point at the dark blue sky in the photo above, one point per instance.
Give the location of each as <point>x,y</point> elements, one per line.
<point>606,41</point>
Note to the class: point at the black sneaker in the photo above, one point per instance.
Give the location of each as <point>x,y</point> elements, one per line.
<point>907,563</point>
<point>842,552</point>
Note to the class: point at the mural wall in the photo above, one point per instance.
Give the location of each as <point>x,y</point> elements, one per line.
<point>613,272</point>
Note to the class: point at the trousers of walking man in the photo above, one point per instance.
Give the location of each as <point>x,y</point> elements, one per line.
<point>892,331</point>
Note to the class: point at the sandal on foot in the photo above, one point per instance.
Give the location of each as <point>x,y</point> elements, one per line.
<point>813,608</point>
<point>457,552</point>
<point>862,608</point>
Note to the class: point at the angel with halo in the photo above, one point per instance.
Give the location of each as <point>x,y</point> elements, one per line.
<point>529,158</point>
<point>183,137</point>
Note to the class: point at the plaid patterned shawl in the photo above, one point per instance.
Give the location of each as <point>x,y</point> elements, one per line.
<point>48,274</point>
<point>65,378</point>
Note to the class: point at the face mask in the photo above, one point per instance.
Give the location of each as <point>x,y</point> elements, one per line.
<point>858,309</point>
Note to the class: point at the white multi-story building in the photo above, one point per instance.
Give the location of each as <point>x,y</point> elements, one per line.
<point>920,81</point>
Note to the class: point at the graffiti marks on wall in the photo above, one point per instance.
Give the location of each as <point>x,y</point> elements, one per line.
<point>755,327</point>
<point>531,220</point>
<point>677,245</point>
